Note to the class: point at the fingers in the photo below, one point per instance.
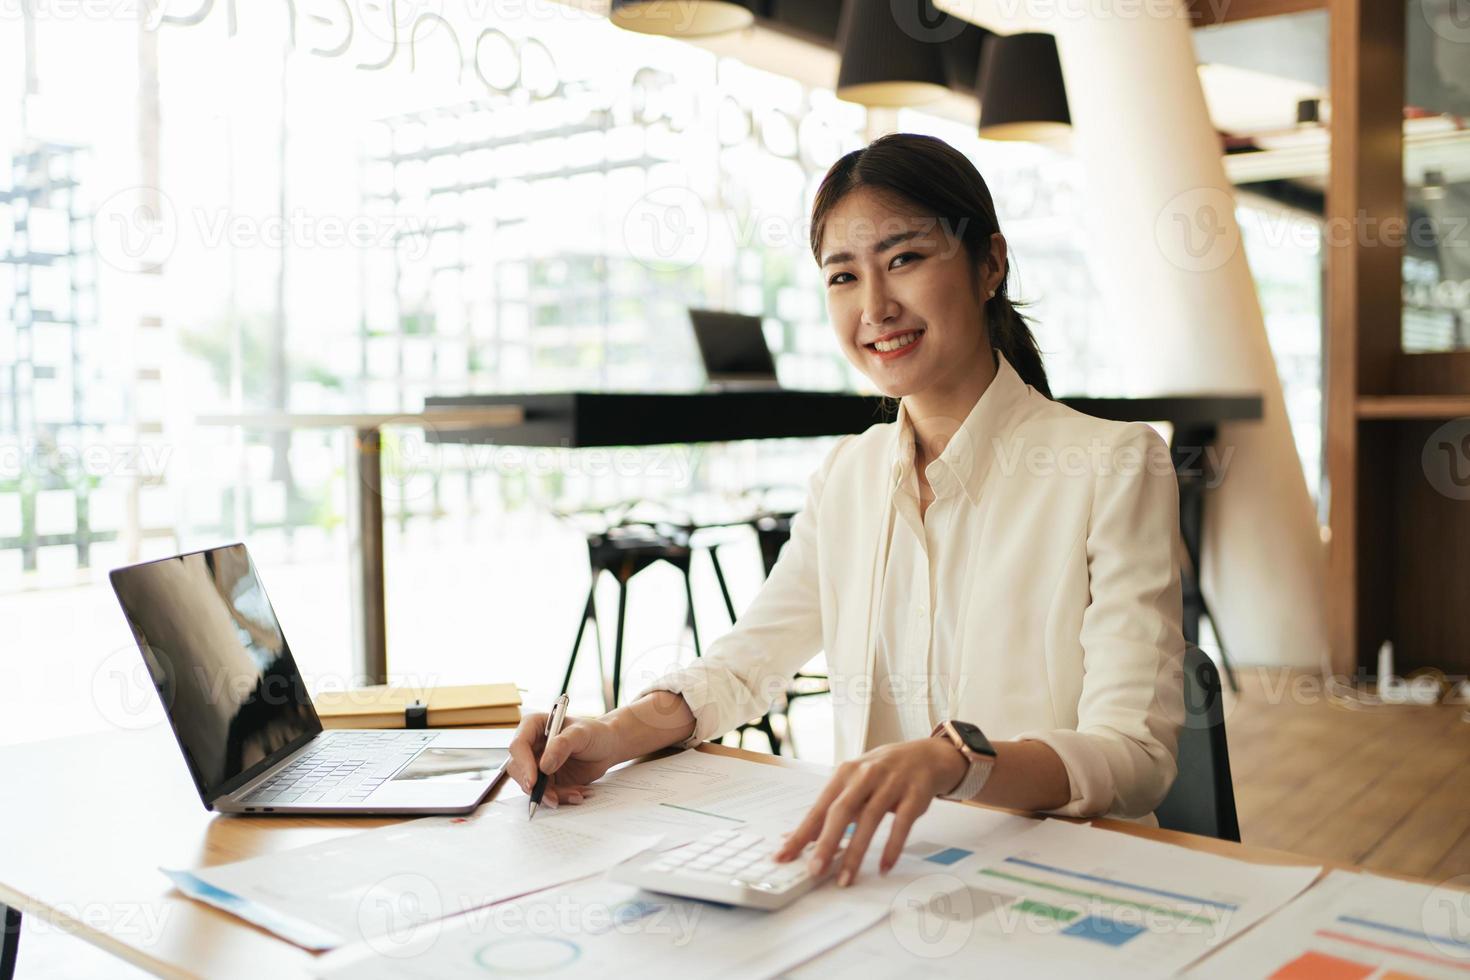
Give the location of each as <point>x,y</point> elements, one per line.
<point>569,794</point>
<point>811,824</point>
<point>524,748</point>
<point>867,825</point>
<point>910,808</point>
<point>843,811</point>
<point>572,740</point>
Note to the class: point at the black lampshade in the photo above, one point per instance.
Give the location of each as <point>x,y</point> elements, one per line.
<point>1022,96</point>
<point>885,64</point>
<point>680,18</point>
<point>961,57</point>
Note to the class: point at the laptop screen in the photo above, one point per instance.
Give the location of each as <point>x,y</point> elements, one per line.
<point>220,663</point>
<point>732,345</point>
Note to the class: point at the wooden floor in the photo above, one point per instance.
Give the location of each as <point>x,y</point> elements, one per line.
<point>1387,787</point>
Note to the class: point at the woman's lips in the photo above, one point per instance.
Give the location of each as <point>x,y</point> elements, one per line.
<point>889,355</point>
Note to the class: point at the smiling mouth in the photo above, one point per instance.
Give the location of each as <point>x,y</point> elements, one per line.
<point>888,345</point>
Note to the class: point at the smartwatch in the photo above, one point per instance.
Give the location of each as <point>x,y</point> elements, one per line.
<point>971,743</point>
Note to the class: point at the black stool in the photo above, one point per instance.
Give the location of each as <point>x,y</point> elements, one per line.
<point>625,549</point>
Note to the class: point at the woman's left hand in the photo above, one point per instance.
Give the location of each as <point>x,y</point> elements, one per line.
<point>902,778</point>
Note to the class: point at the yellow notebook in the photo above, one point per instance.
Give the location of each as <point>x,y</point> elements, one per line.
<point>480,705</point>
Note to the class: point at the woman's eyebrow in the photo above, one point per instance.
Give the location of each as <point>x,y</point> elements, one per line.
<point>882,246</point>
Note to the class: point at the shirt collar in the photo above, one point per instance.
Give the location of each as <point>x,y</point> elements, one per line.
<point>966,458</point>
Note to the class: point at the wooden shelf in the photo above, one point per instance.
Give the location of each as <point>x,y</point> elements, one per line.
<point>1413,406</point>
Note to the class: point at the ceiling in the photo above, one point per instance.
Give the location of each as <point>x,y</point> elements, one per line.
<point>1253,72</point>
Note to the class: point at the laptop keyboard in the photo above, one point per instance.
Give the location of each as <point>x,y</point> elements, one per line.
<point>344,768</point>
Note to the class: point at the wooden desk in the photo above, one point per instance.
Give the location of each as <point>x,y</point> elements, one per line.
<point>104,812</point>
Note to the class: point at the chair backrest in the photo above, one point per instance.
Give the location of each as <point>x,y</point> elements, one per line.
<point>1202,800</point>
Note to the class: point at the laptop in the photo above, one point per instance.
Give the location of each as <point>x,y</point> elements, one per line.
<point>733,348</point>
<point>243,718</point>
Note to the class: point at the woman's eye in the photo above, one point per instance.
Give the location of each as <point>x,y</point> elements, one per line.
<point>906,255</point>
<point>835,280</point>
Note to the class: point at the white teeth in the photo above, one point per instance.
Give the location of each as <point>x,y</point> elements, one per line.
<point>897,342</point>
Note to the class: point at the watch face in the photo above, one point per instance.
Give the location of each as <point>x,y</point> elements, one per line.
<point>973,738</point>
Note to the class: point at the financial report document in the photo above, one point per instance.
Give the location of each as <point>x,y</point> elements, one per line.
<point>1066,899</point>
<point>392,878</point>
<point>1356,926</point>
<point>597,927</point>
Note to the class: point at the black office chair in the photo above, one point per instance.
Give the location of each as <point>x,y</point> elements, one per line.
<point>1202,800</point>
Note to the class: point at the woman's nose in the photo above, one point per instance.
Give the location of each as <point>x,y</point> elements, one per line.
<point>879,306</point>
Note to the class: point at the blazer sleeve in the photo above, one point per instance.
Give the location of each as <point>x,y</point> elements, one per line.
<point>744,671</point>
<point>1121,759</point>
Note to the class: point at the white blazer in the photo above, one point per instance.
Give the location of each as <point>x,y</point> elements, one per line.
<point>1070,632</point>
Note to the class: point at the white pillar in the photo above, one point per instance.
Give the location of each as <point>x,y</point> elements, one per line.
<point>1162,224</point>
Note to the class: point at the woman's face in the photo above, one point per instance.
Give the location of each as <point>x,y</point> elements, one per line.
<point>903,301</point>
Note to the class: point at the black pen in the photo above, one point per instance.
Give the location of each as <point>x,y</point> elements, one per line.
<point>554,721</point>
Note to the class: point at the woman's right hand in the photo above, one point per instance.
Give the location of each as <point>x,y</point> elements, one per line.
<point>584,750</point>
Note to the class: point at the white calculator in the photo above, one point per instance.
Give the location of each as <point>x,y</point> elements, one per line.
<point>729,866</point>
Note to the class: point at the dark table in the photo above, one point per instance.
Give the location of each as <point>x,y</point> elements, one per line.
<point>575,420</point>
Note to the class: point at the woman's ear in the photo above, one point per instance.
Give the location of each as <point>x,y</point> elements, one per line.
<point>996,263</point>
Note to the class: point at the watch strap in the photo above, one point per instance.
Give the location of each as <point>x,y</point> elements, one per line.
<point>974,781</point>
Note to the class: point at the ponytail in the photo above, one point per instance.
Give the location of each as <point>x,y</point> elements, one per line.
<point>1010,334</point>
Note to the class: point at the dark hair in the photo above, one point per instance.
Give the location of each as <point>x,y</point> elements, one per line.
<point>936,179</point>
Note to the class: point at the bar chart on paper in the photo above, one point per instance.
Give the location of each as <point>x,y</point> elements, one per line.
<point>1355,927</point>
<point>1062,897</point>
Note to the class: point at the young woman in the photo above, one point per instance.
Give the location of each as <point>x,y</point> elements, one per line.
<point>991,558</point>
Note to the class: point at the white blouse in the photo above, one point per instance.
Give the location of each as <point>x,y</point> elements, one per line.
<point>918,662</point>
<point>1038,597</point>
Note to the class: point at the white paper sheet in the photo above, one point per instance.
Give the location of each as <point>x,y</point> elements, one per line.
<point>685,796</point>
<point>1064,899</point>
<point>599,928</point>
<point>1355,926</point>
<point>389,879</point>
